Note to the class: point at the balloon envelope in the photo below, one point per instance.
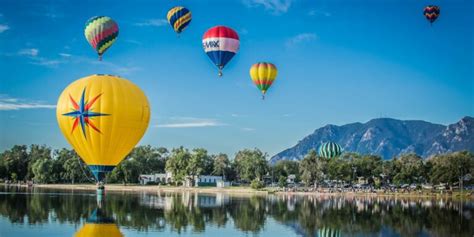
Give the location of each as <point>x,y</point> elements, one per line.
<point>101,32</point>
<point>329,150</point>
<point>263,75</point>
<point>103,117</point>
<point>220,43</point>
<point>328,232</point>
<point>179,18</point>
<point>431,13</point>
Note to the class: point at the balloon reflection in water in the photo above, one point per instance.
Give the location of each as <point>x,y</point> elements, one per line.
<point>99,224</point>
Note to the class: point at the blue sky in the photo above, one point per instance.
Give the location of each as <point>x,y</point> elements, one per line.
<point>339,61</point>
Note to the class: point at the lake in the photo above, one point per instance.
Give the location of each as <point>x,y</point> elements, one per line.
<point>43,212</point>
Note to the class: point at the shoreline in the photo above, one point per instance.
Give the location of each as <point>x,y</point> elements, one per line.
<point>247,191</point>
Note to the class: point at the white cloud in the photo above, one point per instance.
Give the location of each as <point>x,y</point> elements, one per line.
<point>248,129</point>
<point>117,69</point>
<point>239,115</point>
<point>153,22</point>
<point>66,55</point>
<point>274,6</point>
<point>46,62</point>
<point>4,28</point>
<point>188,122</point>
<point>8,103</point>
<point>29,52</point>
<point>133,41</point>
<point>301,38</point>
<point>33,54</point>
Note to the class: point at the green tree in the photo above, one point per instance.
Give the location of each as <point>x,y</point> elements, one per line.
<point>73,168</point>
<point>451,168</point>
<point>285,168</point>
<point>42,170</point>
<point>151,160</point>
<point>410,169</point>
<point>282,181</point>
<point>126,172</point>
<point>251,164</point>
<point>221,165</point>
<point>36,152</point>
<point>16,162</point>
<point>368,166</point>
<point>198,163</point>
<point>339,169</point>
<point>3,169</point>
<point>312,168</point>
<point>177,163</point>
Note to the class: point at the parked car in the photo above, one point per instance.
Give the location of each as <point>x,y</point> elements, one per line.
<point>413,186</point>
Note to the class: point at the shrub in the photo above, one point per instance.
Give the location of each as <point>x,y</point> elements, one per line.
<point>282,181</point>
<point>257,184</point>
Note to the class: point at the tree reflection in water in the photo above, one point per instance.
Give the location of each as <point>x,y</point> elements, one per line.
<point>193,212</point>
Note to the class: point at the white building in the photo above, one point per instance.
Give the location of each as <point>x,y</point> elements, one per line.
<point>207,180</point>
<point>291,179</point>
<point>161,178</point>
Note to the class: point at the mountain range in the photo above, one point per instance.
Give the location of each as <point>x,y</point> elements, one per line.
<point>388,138</point>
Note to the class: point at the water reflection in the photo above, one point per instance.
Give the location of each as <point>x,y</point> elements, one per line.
<point>99,224</point>
<point>186,212</point>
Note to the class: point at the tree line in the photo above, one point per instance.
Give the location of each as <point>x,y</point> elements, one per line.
<point>42,164</point>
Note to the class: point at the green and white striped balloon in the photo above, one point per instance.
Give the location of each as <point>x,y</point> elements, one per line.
<point>327,232</point>
<point>329,150</point>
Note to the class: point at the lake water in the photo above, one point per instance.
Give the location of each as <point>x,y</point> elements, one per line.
<point>42,212</point>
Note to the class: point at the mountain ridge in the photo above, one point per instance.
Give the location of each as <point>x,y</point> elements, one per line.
<point>388,138</point>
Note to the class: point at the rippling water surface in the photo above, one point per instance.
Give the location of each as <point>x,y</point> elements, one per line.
<point>42,212</point>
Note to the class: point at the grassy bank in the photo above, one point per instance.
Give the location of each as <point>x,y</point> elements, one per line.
<point>250,191</point>
<point>154,188</point>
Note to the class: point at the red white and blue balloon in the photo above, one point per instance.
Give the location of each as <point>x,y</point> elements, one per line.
<point>220,43</point>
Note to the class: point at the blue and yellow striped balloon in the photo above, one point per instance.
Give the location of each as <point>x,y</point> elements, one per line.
<point>329,150</point>
<point>179,18</point>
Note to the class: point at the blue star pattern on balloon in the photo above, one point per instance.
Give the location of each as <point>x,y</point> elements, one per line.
<point>82,113</point>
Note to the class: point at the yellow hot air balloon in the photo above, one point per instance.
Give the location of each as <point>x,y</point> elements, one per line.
<point>263,75</point>
<point>103,117</point>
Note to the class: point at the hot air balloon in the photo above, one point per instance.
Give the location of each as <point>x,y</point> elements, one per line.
<point>179,18</point>
<point>263,75</point>
<point>220,43</point>
<point>431,13</point>
<point>328,232</point>
<point>101,32</point>
<point>329,150</point>
<point>103,117</point>
<point>98,225</point>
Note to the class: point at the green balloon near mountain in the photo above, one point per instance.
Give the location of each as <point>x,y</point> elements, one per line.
<point>329,150</point>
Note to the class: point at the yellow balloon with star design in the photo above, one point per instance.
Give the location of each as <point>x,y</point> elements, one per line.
<point>103,117</point>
